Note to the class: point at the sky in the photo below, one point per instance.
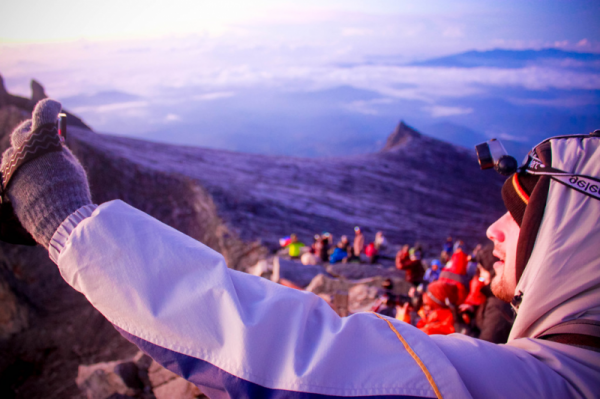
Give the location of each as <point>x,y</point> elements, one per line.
<point>425,27</point>
<point>270,76</point>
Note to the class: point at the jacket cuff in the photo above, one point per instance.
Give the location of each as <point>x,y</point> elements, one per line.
<point>61,236</point>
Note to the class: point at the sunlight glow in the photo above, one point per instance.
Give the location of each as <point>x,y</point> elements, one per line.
<point>65,20</point>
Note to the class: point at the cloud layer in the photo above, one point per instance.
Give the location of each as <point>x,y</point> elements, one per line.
<point>325,68</point>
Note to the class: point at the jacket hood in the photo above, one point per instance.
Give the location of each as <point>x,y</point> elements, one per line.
<point>561,279</point>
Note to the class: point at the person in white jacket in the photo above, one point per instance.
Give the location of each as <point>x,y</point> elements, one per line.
<point>237,335</point>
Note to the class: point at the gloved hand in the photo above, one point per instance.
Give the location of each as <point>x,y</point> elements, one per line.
<point>46,190</point>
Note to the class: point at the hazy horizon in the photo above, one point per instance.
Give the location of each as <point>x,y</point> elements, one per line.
<point>321,79</point>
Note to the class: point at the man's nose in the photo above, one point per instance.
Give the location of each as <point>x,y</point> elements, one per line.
<point>495,232</point>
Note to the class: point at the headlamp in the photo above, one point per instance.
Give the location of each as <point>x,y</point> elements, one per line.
<point>61,124</point>
<point>492,154</point>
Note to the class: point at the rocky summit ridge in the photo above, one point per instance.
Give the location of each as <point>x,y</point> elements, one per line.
<point>416,189</point>
<point>400,136</point>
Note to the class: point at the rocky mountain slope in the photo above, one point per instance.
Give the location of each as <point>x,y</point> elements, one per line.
<point>416,188</point>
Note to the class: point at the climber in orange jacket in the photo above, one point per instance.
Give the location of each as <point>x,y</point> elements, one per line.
<point>438,316</point>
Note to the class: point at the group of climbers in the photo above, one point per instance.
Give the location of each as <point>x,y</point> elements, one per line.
<point>452,295</point>
<point>322,249</point>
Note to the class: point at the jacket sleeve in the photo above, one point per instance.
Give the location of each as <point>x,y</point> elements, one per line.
<point>237,335</point>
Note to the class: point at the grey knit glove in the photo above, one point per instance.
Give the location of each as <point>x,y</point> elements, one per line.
<point>46,190</point>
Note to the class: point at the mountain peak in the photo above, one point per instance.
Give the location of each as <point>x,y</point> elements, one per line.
<point>28,104</point>
<point>401,135</point>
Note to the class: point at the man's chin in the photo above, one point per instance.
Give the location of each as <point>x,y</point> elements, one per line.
<point>500,289</point>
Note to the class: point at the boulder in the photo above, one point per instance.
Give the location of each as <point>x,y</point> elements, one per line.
<point>362,293</point>
<point>177,388</point>
<point>159,375</point>
<point>262,267</point>
<point>37,91</point>
<point>299,274</point>
<point>99,381</point>
<point>139,377</point>
<point>166,384</point>
<point>143,363</point>
<point>361,297</point>
<point>326,285</point>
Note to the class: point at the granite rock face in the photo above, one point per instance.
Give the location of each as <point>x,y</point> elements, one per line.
<point>419,190</point>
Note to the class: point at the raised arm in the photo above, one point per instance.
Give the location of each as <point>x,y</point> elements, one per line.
<point>228,331</point>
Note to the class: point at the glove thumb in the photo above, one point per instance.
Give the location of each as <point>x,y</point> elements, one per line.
<point>46,111</point>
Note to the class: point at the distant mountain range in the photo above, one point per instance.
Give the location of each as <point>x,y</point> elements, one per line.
<point>500,58</point>
<point>521,96</point>
<point>496,58</point>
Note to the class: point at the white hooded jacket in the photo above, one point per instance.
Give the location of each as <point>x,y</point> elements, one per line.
<point>237,335</point>
<point>561,281</point>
